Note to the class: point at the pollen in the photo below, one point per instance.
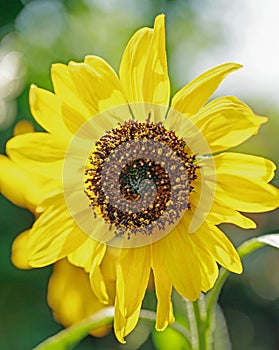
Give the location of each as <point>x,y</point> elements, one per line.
<point>139,178</point>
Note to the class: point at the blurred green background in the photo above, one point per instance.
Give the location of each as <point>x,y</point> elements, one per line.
<point>200,34</point>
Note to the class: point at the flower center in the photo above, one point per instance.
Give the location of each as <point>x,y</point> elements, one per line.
<point>138,178</point>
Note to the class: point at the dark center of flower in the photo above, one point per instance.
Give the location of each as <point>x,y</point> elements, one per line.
<point>138,175</point>
<point>138,178</point>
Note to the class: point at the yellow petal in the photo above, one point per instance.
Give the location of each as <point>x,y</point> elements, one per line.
<point>213,241</point>
<point>231,170</point>
<point>243,165</point>
<point>221,213</point>
<point>246,195</point>
<point>143,69</point>
<point>54,234</point>
<point>226,122</point>
<point>132,278</point>
<point>38,152</point>
<point>96,277</point>
<point>46,148</point>
<point>73,119</point>
<point>110,262</point>
<point>208,267</point>
<point>19,186</point>
<point>124,325</point>
<point>181,262</point>
<point>90,256</point>
<point>163,288</point>
<point>46,109</point>
<point>97,84</point>
<point>70,296</point>
<point>66,90</point>
<point>217,212</point>
<point>194,95</point>
<point>241,182</point>
<point>23,127</point>
<point>20,251</point>
<point>82,256</point>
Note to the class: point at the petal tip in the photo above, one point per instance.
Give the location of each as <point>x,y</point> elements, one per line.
<point>33,94</point>
<point>234,66</point>
<point>33,86</point>
<point>262,119</point>
<point>159,24</point>
<point>160,19</point>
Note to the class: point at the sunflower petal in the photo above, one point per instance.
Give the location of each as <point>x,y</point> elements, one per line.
<point>163,288</point>
<point>20,253</point>
<point>231,170</point>
<point>213,241</point>
<point>226,122</point>
<point>96,277</point>
<point>90,256</point>
<point>193,96</point>
<point>143,69</point>
<point>98,85</point>
<point>217,212</point>
<point>221,213</point>
<point>82,256</point>
<point>124,325</point>
<point>243,165</point>
<point>20,187</point>
<point>23,127</point>
<point>65,88</point>
<point>132,278</point>
<point>235,172</point>
<point>73,119</point>
<point>46,109</point>
<point>208,268</point>
<point>185,278</point>
<point>41,152</point>
<point>246,195</point>
<point>54,234</point>
<point>71,298</point>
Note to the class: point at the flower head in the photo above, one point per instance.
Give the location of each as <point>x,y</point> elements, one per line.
<point>138,183</point>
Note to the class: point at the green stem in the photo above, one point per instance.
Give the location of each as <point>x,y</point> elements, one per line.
<point>200,325</point>
<point>71,336</point>
<point>214,295</point>
<point>212,299</point>
<point>201,319</point>
<point>194,333</point>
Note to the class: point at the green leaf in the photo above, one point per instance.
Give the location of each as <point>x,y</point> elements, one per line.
<point>253,244</point>
<point>272,239</point>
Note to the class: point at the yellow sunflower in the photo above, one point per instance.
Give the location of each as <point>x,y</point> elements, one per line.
<point>139,184</point>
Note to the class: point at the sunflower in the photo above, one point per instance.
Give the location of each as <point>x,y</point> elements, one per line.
<point>139,183</point>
